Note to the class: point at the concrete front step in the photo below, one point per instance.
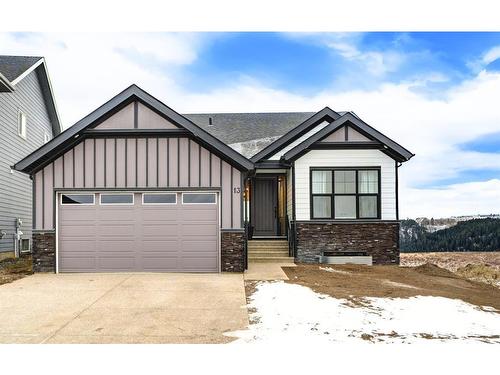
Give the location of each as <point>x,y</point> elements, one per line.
<point>268,254</point>
<point>267,243</point>
<point>264,249</point>
<point>270,259</point>
<point>266,246</point>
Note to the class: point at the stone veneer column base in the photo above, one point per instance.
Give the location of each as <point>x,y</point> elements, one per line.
<point>232,251</point>
<point>44,251</point>
<point>378,239</point>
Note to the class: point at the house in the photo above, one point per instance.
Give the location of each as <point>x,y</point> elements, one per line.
<point>136,186</point>
<point>28,119</point>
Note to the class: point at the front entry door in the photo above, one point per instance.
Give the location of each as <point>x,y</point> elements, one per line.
<point>264,211</point>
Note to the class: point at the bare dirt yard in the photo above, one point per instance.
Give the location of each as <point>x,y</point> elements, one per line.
<point>12,269</point>
<point>478,266</point>
<point>355,282</point>
<point>349,303</point>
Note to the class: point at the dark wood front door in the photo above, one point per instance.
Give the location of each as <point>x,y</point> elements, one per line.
<point>264,206</point>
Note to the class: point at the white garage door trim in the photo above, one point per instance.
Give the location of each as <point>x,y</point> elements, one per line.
<point>58,199</point>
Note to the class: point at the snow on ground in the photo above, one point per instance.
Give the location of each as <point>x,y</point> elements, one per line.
<point>286,312</point>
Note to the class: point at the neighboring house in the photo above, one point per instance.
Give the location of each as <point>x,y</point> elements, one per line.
<point>136,186</point>
<point>28,119</point>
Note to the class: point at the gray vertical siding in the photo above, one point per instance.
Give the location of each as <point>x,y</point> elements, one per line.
<point>16,188</point>
<point>158,163</point>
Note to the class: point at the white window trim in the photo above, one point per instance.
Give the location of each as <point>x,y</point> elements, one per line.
<point>78,204</point>
<point>20,132</point>
<point>46,137</point>
<point>159,204</point>
<point>116,204</point>
<point>194,192</point>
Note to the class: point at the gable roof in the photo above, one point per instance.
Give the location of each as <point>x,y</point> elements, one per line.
<point>391,148</point>
<point>326,114</point>
<point>71,136</point>
<point>13,69</point>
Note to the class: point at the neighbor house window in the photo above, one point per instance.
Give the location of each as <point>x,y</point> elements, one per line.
<point>341,193</point>
<point>21,124</point>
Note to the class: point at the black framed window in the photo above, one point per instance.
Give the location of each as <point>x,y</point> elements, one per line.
<point>345,193</point>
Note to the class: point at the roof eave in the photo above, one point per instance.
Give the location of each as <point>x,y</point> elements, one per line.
<point>133,92</point>
<point>5,84</point>
<point>326,114</point>
<point>391,148</point>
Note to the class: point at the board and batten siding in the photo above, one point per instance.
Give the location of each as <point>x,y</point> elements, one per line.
<point>134,163</point>
<point>16,188</point>
<point>345,158</point>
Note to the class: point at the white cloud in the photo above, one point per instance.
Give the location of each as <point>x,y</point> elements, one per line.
<point>459,199</point>
<point>486,58</point>
<point>88,69</point>
<point>491,55</point>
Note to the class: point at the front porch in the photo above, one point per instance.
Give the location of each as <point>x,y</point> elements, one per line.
<point>268,217</point>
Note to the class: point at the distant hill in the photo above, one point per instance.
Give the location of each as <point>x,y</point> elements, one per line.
<point>470,235</point>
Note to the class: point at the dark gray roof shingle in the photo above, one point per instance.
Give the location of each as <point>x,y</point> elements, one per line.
<point>13,66</point>
<point>248,133</point>
<point>241,127</point>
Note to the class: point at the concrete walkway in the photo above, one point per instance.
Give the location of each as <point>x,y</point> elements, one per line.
<point>267,271</point>
<point>122,308</point>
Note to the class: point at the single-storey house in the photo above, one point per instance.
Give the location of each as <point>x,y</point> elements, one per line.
<point>136,186</point>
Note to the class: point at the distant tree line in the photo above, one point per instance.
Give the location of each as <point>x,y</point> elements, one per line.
<point>471,235</point>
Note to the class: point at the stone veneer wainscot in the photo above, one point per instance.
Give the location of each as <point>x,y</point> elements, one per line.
<point>233,251</point>
<point>44,251</point>
<point>378,239</point>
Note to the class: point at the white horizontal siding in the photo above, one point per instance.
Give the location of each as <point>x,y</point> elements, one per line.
<point>345,158</point>
<point>283,151</point>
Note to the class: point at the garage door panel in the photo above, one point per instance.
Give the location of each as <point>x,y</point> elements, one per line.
<point>158,229</point>
<point>77,231</point>
<point>197,229</point>
<point>77,213</point>
<point>156,246</point>
<point>199,264</point>
<point>160,264</point>
<point>166,214</point>
<point>201,247</point>
<point>116,246</point>
<point>72,246</point>
<point>152,237</point>
<point>199,215</point>
<point>81,264</point>
<point>117,263</point>
<point>116,215</point>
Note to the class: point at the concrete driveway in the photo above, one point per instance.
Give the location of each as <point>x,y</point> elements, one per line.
<point>122,308</point>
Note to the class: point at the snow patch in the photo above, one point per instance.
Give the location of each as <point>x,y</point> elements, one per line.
<point>287,312</point>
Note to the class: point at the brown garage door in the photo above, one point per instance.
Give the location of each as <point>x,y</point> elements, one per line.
<point>113,232</point>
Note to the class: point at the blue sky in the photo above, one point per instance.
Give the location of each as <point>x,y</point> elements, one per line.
<point>435,93</point>
<point>305,63</point>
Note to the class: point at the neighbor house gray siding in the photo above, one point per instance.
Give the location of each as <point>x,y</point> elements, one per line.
<point>137,163</point>
<point>16,188</point>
